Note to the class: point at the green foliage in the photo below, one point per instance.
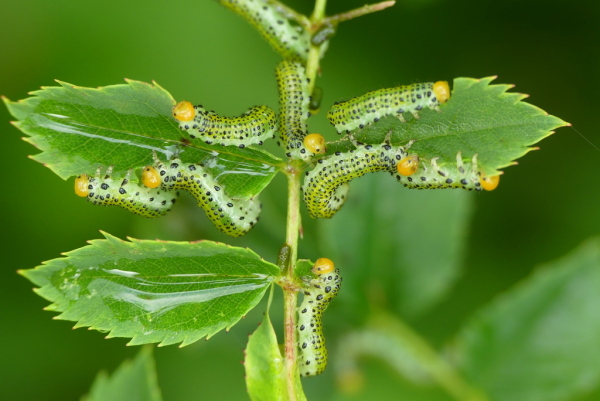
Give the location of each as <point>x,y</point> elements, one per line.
<point>179,292</point>
<point>154,291</point>
<point>264,366</point>
<point>479,119</point>
<point>80,129</point>
<point>541,337</point>
<point>132,381</point>
<point>304,268</point>
<point>416,244</point>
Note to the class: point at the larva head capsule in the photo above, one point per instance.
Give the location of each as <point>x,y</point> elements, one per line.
<point>489,183</point>
<point>81,185</point>
<point>184,111</point>
<point>408,166</point>
<point>323,266</point>
<point>315,143</point>
<point>442,91</point>
<point>150,177</point>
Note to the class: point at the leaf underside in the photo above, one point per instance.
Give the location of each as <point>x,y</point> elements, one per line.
<point>80,129</point>
<point>479,119</point>
<point>154,291</point>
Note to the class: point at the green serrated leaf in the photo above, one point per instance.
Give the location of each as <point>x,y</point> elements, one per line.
<point>154,291</point>
<point>540,340</point>
<point>479,119</point>
<point>264,365</point>
<point>265,368</point>
<point>80,129</point>
<point>379,235</point>
<point>133,381</point>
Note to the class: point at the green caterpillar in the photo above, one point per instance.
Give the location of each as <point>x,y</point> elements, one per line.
<point>104,190</point>
<point>325,187</point>
<point>414,173</point>
<point>292,42</point>
<point>255,126</point>
<point>293,102</point>
<point>370,107</point>
<point>159,191</point>
<point>312,354</point>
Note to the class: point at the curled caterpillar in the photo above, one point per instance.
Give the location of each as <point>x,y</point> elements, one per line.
<point>255,126</point>
<point>312,356</point>
<point>233,217</point>
<point>325,187</point>
<point>370,107</point>
<point>293,103</point>
<point>159,191</point>
<point>292,42</point>
<point>104,190</point>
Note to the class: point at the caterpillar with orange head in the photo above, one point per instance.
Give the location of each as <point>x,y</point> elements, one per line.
<point>312,354</point>
<point>415,173</point>
<point>326,186</point>
<point>158,193</point>
<point>253,127</point>
<point>364,110</point>
<point>294,102</point>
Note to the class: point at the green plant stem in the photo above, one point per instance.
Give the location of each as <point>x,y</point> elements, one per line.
<point>318,12</point>
<point>314,53</point>
<point>290,290</point>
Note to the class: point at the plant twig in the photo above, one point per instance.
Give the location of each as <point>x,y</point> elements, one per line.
<point>358,12</point>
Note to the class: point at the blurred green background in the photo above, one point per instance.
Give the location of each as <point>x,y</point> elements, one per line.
<point>199,51</point>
